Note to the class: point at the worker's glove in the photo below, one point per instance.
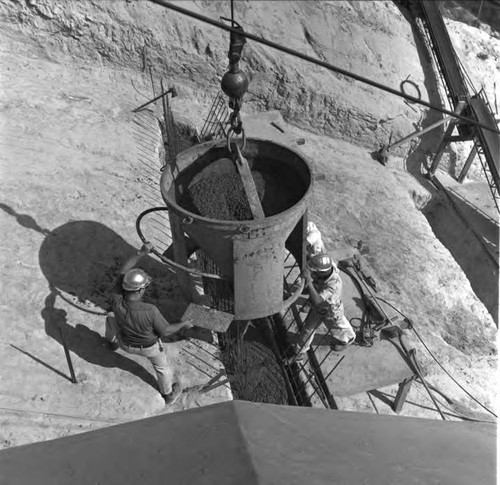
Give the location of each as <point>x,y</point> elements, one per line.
<point>147,247</point>
<point>306,274</point>
<point>188,324</point>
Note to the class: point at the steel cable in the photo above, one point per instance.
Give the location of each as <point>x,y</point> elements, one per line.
<point>317,62</point>
<point>436,360</point>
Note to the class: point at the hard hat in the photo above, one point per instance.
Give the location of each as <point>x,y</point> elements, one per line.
<point>136,279</point>
<point>320,263</point>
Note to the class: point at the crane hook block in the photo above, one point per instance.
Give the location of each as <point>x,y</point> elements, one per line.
<point>236,43</point>
<point>234,83</point>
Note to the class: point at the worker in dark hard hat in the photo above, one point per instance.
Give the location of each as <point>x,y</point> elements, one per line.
<point>137,327</point>
<point>323,281</point>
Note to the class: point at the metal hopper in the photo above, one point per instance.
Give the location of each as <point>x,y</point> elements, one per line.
<point>207,213</point>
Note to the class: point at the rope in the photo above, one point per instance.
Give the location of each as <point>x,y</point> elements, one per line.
<point>456,414</point>
<point>478,13</point>
<point>81,418</point>
<point>331,67</point>
<point>437,361</point>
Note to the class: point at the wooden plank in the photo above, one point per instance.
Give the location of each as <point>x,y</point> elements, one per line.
<point>209,318</point>
<point>403,390</point>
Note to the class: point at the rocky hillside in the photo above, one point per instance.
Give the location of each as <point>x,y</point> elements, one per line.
<point>483,15</point>
<point>371,39</point>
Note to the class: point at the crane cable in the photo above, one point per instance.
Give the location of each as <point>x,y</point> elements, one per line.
<point>435,359</point>
<point>331,67</point>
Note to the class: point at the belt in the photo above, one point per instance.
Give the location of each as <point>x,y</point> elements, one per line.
<point>140,346</point>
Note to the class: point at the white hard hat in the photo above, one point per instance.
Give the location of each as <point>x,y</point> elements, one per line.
<point>321,263</point>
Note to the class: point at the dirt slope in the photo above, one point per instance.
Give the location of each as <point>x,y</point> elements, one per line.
<point>353,35</point>
<point>75,174</point>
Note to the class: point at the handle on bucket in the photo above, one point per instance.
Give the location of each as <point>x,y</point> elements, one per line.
<point>169,262</point>
<point>162,257</point>
<point>295,295</point>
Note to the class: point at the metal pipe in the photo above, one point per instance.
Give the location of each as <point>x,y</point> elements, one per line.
<point>418,133</point>
<point>330,67</point>
<point>169,91</point>
<point>168,261</point>
<point>68,356</point>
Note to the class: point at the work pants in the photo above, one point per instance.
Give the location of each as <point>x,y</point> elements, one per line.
<point>154,354</point>
<point>334,319</point>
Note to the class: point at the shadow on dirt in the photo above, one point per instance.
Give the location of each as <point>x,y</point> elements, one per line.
<point>472,238</point>
<point>472,253</point>
<point>24,220</point>
<point>81,260</point>
<point>86,343</point>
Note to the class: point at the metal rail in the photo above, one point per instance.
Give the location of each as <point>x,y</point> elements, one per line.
<point>217,119</point>
<point>445,53</point>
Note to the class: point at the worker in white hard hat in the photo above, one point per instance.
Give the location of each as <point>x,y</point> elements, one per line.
<point>137,327</point>
<point>323,281</point>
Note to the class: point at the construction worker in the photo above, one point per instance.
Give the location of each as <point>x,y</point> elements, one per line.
<point>323,281</point>
<point>137,327</point>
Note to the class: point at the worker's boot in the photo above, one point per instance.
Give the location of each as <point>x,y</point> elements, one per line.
<point>172,396</point>
<point>112,345</point>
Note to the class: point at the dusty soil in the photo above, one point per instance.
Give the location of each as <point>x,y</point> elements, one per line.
<point>78,167</point>
<point>71,190</point>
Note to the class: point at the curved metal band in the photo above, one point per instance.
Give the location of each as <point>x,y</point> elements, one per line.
<point>295,295</point>
<point>411,83</point>
<point>163,258</point>
<point>243,139</point>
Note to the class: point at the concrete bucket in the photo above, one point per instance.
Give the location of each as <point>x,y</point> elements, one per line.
<point>209,211</point>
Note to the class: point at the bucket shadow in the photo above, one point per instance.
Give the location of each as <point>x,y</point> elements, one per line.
<point>82,259</point>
